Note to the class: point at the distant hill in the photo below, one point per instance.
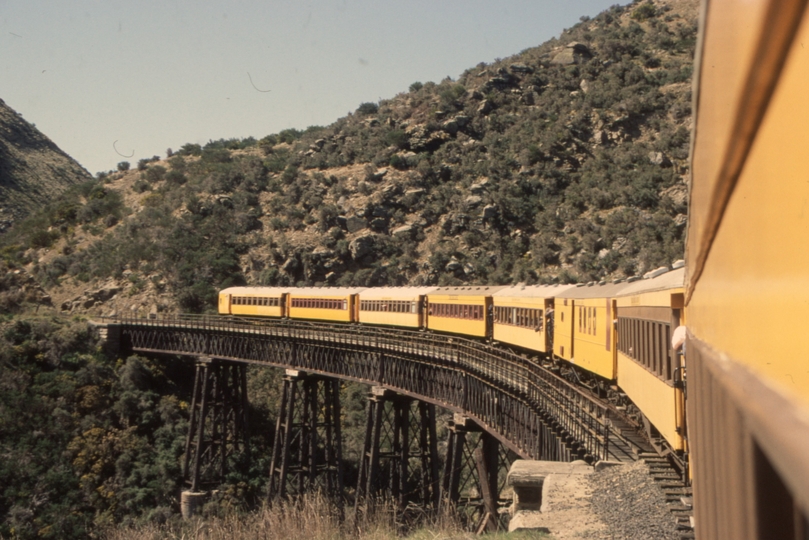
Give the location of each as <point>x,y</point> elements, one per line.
<point>566,162</point>
<point>33,170</point>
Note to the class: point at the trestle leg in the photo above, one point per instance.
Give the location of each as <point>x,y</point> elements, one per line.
<point>307,450</point>
<point>474,475</point>
<point>217,431</point>
<point>400,454</point>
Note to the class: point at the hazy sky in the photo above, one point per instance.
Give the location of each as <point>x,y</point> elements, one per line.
<point>156,74</point>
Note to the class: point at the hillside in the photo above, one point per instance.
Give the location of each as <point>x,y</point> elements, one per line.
<point>33,170</point>
<point>566,162</point>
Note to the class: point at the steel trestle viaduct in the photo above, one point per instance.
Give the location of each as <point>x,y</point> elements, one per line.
<point>510,399</point>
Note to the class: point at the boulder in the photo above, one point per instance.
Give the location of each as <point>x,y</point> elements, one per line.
<point>584,85</point>
<point>355,223</point>
<point>573,53</point>
<point>454,266</point>
<point>105,293</point>
<point>521,68</point>
<point>361,246</point>
<point>490,211</point>
<point>485,107</point>
<point>479,187</point>
<point>379,174</point>
<point>462,120</point>
<point>600,137</point>
<point>659,159</point>
<point>290,265</point>
<point>405,231</point>
<point>322,252</point>
<point>450,126</point>
<point>473,200</point>
<point>436,139</point>
<point>379,224</point>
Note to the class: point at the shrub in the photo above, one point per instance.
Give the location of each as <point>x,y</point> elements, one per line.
<point>42,239</point>
<point>397,138</point>
<point>176,177</point>
<point>368,108</point>
<point>190,149</point>
<point>155,173</point>
<point>123,166</point>
<point>289,135</point>
<point>416,86</point>
<point>216,155</point>
<point>644,12</point>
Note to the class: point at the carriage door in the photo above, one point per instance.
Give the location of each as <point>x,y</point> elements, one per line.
<point>224,304</point>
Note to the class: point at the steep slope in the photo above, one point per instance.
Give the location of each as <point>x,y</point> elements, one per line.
<point>566,162</point>
<point>33,170</point>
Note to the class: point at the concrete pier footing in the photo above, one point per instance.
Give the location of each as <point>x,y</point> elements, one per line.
<point>191,502</point>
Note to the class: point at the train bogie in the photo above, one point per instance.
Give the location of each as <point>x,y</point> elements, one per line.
<point>461,310</point>
<point>394,306</point>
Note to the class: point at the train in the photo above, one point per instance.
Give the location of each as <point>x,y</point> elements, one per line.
<point>614,338</point>
<point>733,402</point>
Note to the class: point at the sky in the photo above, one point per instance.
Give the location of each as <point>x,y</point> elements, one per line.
<point>112,81</point>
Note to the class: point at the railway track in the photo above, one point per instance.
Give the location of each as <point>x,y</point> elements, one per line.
<point>678,494</point>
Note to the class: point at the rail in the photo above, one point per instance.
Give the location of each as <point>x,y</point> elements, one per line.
<point>513,396</point>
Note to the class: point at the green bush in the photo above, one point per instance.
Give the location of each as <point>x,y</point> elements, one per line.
<point>644,12</point>
<point>368,108</point>
<point>176,177</point>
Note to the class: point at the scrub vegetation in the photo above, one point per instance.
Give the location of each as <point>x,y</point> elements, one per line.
<point>564,163</point>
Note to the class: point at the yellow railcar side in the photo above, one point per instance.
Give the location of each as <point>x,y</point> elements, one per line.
<point>593,336</point>
<point>563,328</point>
<point>337,304</point>
<point>649,371</point>
<point>394,306</point>
<point>586,338</point>
<point>523,315</point>
<point>388,318</point>
<point>461,310</point>
<point>253,301</point>
<point>520,321</point>
<point>748,272</point>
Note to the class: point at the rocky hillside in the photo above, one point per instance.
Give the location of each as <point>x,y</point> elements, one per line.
<point>566,162</point>
<point>33,170</point>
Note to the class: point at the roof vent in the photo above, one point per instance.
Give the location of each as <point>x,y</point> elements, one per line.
<point>656,272</point>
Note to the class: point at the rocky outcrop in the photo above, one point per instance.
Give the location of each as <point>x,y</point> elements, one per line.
<point>573,53</point>
<point>362,246</point>
<point>91,298</point>
<point>33,170</point>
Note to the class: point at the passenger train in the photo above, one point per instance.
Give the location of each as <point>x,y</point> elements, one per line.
<point>741,411</point>
<point>615,338</point>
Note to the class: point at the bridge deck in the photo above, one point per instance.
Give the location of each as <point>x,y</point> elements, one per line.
<point>529,409</point>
